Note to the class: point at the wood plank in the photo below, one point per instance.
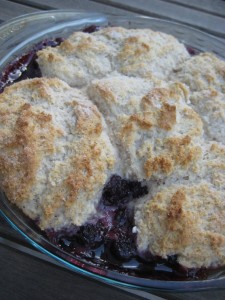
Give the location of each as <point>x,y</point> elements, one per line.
<point>158,8</point>
<point>216,7</point>
<point>25,277</point>
<point>74,4</point>
<point>6,231</point>
<point>203,295</point>
<point>11,238</point>
<point>26,248</point>
<point>10,10</point>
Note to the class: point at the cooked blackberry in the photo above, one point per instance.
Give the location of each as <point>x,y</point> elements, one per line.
<point>119,191</point>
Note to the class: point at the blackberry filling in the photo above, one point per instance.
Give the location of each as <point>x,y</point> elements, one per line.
<point>110,240</point>
<point>91,29</point>
<point>119,191</point>
<point>192,51</point>
<point>25,66</point>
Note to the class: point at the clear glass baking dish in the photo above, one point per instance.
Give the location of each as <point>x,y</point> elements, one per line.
<point>17,37</point>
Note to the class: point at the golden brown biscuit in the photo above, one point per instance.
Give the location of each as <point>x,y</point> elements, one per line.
<point>187,221</point>
<point>210,105</point>
<point>186,216</point>
<point>200,72</point>
<point>83,57</point>
<point>156,132</point>
<point>55,154</point>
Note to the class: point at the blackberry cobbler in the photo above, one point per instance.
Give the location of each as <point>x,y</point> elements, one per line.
<point>112,142</point>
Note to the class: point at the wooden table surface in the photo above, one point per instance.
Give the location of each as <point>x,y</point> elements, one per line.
<point>24,272</point>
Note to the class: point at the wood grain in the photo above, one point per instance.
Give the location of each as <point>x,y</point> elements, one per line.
<point>10,10</point>
<point>12,239</point>
<point>163,9</point>
<point>30,278</point>
<point>71,4</point>
<point>215,7</point>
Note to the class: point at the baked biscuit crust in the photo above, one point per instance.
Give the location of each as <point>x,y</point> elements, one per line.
<point>55,152</point>
<point>156,132</point>
<point>134,52</point>
<point>185,216</point>
<point>201,72</point>
<point>186,221</point>
<point>210,105</point>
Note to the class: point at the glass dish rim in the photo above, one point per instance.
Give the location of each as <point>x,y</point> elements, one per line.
<point>16,223</point>
<point>95,13</point>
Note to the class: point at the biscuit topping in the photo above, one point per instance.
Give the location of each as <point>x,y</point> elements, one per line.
<point>55,153</point>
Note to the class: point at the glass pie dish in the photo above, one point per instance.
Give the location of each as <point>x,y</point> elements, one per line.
<point>18,36</point>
